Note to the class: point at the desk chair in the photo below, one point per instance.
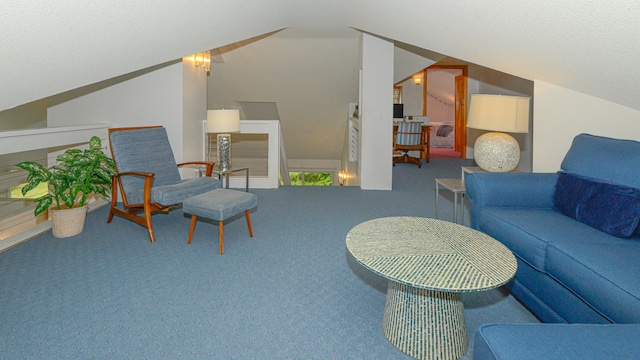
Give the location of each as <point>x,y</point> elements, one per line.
<point>408,137</point>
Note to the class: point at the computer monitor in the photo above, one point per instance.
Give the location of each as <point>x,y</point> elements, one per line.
<point>398,111</point>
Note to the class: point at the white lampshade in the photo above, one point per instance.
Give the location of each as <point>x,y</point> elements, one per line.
<point>499,113</point>
<point>223,121</point>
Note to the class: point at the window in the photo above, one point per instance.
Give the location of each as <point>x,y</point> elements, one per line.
<point>311,178</point>
<point>397,94</point>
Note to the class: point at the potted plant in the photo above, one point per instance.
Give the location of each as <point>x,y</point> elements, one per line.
<point>76,175</point>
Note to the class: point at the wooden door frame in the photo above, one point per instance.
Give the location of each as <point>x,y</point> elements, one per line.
<point>460,109</point>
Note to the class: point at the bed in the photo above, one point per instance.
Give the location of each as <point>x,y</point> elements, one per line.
<point>442,135</point>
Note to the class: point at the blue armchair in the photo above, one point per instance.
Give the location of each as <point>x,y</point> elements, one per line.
<point>148,177</point>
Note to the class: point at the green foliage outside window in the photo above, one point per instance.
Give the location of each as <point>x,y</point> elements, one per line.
<point>310,179</point>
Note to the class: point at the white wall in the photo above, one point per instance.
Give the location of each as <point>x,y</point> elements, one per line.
<point>560,114</point>
<point>376,109</point>
<point>155,98</point>
<point>194,111</point>
<point>311,80</point>
<point>411,98</point>
<point>407,63</point>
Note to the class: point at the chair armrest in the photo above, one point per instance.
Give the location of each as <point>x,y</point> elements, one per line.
<point>209,165</point>
<point>511,189</point>
<point>522,190</point>
<point>148,182</point>
<point>136,173</point>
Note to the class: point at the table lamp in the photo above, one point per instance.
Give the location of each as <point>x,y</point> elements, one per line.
<point>223,122</point>
<point>496,151</point>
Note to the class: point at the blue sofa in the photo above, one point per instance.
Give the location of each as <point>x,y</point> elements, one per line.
<point>576,239</point>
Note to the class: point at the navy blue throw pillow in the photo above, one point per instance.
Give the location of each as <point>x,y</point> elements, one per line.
<point>569,192</point>
<point>611,208</point>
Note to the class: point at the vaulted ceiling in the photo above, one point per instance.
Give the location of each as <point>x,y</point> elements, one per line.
<point>53,47</point>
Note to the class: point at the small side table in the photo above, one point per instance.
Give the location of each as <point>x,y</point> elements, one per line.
<point>456,186</point>
<point>216,170</point>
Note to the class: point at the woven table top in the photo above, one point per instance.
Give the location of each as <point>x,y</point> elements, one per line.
<point>431,254</point>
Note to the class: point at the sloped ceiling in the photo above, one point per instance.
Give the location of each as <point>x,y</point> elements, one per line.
<point>53,47</point>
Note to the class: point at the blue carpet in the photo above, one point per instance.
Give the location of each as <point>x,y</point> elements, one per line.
<point>291,292</point>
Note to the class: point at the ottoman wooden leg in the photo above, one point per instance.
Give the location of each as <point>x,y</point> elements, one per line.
<point>193,226</point>
<point>221,226</point>
<point>246,213</point>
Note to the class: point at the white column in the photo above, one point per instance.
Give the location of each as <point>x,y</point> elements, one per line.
<point>376,113</point>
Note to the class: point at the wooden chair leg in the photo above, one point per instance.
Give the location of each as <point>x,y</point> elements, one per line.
<point>246,213</point>
<point>221,226</point>
<point>149,225</point>
<point>193,226</point>
<point>114,198</point>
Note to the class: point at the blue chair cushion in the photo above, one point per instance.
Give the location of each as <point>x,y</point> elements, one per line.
<point>176,193</point>
<point>219,204</point>
<point>556,341</point>
<point>144,150</point>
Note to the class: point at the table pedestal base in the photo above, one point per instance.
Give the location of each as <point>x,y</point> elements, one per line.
<point>425,324</point>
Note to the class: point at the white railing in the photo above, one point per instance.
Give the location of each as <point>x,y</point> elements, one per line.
<point>23,225</point>
<point>34,139</point>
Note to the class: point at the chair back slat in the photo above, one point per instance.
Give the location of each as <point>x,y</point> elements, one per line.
<point>409,133</point>
<point>144,150</point>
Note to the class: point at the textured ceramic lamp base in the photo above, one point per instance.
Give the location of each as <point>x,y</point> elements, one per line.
<point>496,152</point>
<point>224,151</point>
<point>425,324</point>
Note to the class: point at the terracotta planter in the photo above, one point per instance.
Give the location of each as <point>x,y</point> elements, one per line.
<point>68,222</point>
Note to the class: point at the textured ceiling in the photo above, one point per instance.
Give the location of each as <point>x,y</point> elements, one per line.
<point>53,47</point>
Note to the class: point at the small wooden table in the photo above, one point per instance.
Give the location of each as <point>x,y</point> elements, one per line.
<point>429,262</point>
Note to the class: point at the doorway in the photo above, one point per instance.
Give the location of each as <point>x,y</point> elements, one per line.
<point>440,92</point>
<point>445,92</point>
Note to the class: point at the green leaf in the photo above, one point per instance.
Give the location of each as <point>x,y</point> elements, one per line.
<point>32,184</point>
<point>104,174</point>
<point>95,142</point>
<point>68,199</point>
<point>68,156</point>
<point>44,202</point>
<point>32,167</point>
<point>82,161</point>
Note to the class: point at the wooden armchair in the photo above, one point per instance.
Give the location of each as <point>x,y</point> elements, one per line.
<point>408,137</point>
<point>148,178</point>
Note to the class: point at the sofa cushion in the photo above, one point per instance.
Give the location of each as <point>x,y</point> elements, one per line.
<point>528,231</point>
<point>612,160</point>
<point>612,208</point>
<point>556,341</point>
<point>601,274</point>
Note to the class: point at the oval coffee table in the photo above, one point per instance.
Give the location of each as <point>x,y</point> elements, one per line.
<point>429,263</point>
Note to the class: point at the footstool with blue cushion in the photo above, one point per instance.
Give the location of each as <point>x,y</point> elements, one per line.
<point>219,205</point>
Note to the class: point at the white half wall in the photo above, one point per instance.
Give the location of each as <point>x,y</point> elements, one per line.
<point>376,119</point>
<point>560,114</point>
<point>155,98</point>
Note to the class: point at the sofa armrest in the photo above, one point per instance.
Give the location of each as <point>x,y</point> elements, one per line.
<point>529,190</point>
